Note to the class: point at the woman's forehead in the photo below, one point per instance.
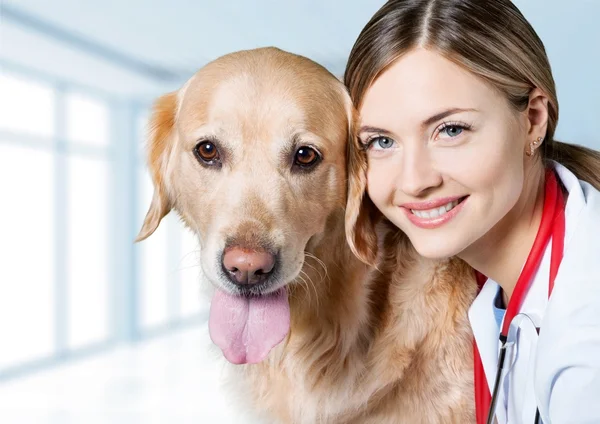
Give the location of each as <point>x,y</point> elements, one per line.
<point>422,83</point>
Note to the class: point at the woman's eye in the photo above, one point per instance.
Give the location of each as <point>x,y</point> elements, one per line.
<point>451,130</point>
<point>382,143</point>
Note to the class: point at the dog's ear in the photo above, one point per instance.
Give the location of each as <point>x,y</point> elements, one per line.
<point>361,213</point>
<point>160,146</point>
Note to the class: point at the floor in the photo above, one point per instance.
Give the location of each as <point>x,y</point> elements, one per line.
<point>169,379</point>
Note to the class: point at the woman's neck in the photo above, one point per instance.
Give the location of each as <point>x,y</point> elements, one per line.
<point>502,252</point>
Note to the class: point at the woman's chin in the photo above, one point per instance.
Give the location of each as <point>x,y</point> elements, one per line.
<point>434,248</point>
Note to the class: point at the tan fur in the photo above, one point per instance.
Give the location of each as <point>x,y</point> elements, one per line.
<point>391,345</point>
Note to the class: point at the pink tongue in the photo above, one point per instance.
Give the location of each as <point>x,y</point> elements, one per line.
<point>246,329</point>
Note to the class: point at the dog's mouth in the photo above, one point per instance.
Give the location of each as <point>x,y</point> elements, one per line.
<point>250,316</point>
<point>247,327</point>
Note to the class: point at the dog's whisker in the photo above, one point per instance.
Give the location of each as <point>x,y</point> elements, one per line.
<point>309,292</point>
<point>321,276</point>
<point>302,281</point>
<point>315,269</point>
<point>313,285</point>
<point>305,285</point>
<point>319,261</point>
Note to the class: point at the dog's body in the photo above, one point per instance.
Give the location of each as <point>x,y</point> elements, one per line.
<point>369,347</point>
<point>391,345</point>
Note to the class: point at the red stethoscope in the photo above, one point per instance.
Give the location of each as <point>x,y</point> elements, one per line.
<point>551,226</point>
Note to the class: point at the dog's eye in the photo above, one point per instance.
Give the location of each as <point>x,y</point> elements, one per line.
<point>207,152</point>
<point>306,157</point>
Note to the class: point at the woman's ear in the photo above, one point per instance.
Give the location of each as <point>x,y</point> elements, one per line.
<point>160,146</point>
<point>361,213</point>
<point>537,115</point>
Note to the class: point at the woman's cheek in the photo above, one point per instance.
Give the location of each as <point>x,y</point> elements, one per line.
<point>452,160</point>
<point>476,162</point>
<point>378,186</point>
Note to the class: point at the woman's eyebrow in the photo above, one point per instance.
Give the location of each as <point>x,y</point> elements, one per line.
<point>444,114</point>
<point>370,129</point>
<point>425,123</point>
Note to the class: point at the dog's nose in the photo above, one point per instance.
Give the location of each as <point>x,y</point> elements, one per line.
<point>248,266</point>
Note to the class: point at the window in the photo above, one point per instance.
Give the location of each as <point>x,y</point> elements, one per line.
<point>153,265</point>
<point>26,107</point>
<point>88,266</point>
<point>67,186</point>
<point>87,120</point>
<point>142,131</point>
<point>27,249</point>
<point>54,279</point>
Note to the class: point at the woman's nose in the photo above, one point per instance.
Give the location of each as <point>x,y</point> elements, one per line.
<point>418,173</point>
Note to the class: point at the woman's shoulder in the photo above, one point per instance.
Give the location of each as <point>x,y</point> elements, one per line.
<point>583,201</point>
<point>581,260</point>
<point>567,370</point>
<point>567,367</point>
<point>575,300</point>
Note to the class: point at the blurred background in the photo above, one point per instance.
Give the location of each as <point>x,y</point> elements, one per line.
<point>94,328</point>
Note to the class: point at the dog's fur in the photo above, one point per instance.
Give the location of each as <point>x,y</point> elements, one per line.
<point>385,345</point>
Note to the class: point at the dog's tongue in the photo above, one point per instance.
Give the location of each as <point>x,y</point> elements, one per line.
<point>246,329</point>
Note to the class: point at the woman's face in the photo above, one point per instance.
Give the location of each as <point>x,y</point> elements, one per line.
<point>445,152</point>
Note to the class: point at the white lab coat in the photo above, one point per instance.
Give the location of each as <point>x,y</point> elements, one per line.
<point>559,371</point>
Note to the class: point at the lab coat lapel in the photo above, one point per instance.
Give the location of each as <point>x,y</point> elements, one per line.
<point>576,262</point>
<point>573,295</point>
<point>485,330</point>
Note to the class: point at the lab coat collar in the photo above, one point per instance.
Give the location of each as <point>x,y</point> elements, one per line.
<point>576,200</point>
<point>536,300</point>
<point>481,314</point>
<point>485,330</point>
<point>575,291</point>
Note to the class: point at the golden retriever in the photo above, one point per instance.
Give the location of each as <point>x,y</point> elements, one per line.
<point>251,153</point>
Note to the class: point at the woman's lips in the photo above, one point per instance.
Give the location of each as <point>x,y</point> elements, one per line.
<point>434,213</point>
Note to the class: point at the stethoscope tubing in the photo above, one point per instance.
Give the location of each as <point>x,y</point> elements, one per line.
<point>496,392</point>
<point>507,342</point>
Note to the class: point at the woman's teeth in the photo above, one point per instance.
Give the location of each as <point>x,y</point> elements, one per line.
<point>435,212</point>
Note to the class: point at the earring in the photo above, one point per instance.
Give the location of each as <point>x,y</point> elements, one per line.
<point>533,145</point>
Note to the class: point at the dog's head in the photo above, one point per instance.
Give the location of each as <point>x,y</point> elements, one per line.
<point>251,152</point>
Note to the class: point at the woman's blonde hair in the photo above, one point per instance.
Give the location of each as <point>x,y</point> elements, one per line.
<point>489,38</point>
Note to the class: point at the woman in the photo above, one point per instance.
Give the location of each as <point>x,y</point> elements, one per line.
<point>458,110</point>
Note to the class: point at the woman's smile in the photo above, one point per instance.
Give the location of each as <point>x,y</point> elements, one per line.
<point>434,213</point>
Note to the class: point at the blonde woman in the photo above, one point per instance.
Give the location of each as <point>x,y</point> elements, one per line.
<point>456,147</point>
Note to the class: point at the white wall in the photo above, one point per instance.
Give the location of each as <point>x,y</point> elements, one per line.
<point>571,33</point>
